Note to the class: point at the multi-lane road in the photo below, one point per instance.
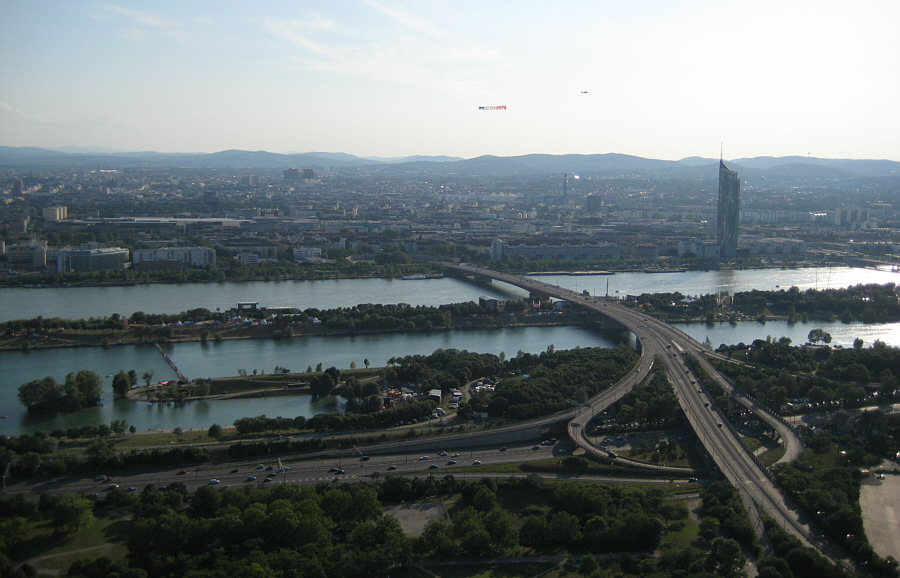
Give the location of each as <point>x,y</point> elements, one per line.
<point>660,341</point>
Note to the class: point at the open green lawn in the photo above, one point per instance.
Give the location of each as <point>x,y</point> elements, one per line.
<point>751,443</point>
<point>683,537</point>
<point>61,549</point>
<point>686,455</point>
<point>770,457</point>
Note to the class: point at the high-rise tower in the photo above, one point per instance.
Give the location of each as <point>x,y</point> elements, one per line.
<point>729,212</point>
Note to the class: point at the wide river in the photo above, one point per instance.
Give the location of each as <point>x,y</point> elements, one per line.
<point>221,359</point>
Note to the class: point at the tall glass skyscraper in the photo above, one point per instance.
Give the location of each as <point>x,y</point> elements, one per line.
<point>729,213</point>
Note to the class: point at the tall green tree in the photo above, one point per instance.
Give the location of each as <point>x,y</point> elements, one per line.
<point>72,512</point>
<point>121,383</point>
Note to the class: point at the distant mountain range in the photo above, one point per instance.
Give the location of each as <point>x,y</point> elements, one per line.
<point>611,164</point>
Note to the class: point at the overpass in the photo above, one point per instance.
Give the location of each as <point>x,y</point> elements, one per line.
<point>713,430</point>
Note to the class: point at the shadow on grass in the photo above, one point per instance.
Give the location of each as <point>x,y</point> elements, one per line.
<point>43,540</point>
<point>117,532</point>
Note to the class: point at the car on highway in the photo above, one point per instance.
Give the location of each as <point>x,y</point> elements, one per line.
<point>391,468</point>
<point>454,455</point>
<point>476,463</point>
<point>451,462</point>
<point>533,448</point>
<point>442,454</point>
<point>100,479</point>
<point>267,481</point>
<point>131,489</point>
<point>433,467</point>
<point>706,404</point>
<point>214,481</point>
<point>272,475</point>
<point>364,459</point>
<point>260,467</point>
<point>423,458</point>
<point>333,469</point>
<point>270,467</point>
<point>692,480</point>
<point>234,471</point>
<point>720,424</point>
<point>180,472</point>
<point>112,487</point>
<point>251,479</point>
<point>503,449</point>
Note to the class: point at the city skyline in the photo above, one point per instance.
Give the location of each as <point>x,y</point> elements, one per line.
<point>400,79</point>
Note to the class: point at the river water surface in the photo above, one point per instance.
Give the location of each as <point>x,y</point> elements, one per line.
<point>226,358</point>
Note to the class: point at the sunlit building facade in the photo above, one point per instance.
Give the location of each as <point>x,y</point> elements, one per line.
<point>729,214</point>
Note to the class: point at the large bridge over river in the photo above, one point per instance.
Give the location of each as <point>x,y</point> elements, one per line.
<point>663,343</point>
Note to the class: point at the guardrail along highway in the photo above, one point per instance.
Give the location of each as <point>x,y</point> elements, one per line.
<point>719,439</point>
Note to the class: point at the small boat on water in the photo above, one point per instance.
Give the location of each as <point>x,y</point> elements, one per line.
<point>420,276</point>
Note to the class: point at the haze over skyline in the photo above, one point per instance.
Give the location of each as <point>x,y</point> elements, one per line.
<point>653,79</point>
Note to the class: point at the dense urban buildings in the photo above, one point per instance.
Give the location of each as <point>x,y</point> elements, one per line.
<point>191,219</point>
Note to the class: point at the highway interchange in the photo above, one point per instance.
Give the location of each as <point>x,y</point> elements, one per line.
<point>659,342</point>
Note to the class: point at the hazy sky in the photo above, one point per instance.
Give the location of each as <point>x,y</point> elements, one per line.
<point>664,79</point>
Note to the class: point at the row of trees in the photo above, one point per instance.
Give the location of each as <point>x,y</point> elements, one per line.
<point>79,390</point>
<point>781,372</point>
<point>651,402</point>
<point>558,378</point>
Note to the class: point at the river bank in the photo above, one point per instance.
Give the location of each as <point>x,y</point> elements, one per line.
<point>218,333</point>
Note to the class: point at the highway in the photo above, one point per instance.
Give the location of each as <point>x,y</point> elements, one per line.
<point>463,463</point>
<point>714,432</point>
<point>659,343</point>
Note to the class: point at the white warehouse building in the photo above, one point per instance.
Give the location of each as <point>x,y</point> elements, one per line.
<point>195,257</point>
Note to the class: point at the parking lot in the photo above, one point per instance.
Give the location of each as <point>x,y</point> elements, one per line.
<point>879,500</point>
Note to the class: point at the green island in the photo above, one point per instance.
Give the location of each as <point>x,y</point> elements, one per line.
<point>867,303</point>
<point>519,518</point>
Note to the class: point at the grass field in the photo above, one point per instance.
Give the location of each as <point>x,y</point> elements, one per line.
<point>770,457</point>
<point>101,537</point>
<point>751,443</point>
